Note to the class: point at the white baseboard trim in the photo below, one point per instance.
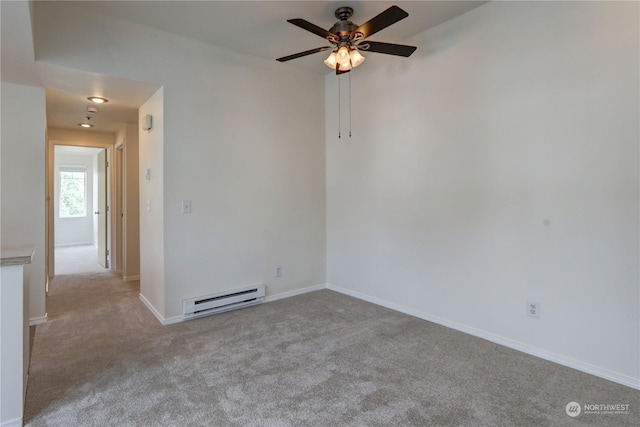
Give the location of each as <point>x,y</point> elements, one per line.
<point>38,320</point>
<point>270,298</point>
<point>64,245</point>
<point>17,422</point>
<point>497,339</point>
<point>130,278</point>
<point>151,308</point>
<point>295,292</point>
<point>172,320</point>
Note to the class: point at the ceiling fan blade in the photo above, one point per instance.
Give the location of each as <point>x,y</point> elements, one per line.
<point>306,25</point>
<point>389,48</point>
<point>380,22</point>
<point>305,53</point>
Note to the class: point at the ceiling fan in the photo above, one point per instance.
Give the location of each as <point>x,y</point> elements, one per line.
<point>347,39</point>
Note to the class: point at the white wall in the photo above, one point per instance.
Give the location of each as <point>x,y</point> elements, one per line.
<point>80,230</point>
<point>22,207</point>
<point>151,202</point>
<point>243,140</point>
<point>498,165</point>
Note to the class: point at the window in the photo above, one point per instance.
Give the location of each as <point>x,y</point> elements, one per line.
<point>73,192</point>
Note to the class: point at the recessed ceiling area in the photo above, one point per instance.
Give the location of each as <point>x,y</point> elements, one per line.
<point>260,28</point>
<point>257,28</point>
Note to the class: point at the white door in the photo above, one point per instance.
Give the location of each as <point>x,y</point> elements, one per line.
<point>101,211</point>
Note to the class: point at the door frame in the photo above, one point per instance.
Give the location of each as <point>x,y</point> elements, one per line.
<point>117,204</point>
<point>50,211</point>
<point>102,210</point>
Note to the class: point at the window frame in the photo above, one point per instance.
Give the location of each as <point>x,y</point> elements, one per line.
<point>72,168</point>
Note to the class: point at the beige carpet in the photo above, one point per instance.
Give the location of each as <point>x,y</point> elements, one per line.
<point>77,259</point>
<point>320,359</point>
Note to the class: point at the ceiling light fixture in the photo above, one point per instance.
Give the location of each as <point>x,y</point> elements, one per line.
<point>344,59</point>
<point>331,61</point>
<point>348,39</point>
<point>356,58</point>
<point>343,55</point>
<point>86,124</point>
<point>97,99</point>
<point>344,67</point>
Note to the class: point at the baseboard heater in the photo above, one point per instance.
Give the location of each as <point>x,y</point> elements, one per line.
<point>193,308</point>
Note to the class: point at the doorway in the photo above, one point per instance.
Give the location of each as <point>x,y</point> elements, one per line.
<point>80,209</point>
<point>78,214</point>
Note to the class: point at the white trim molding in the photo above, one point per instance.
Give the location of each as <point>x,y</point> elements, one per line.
<point>162,320</point>
<point>270,298</point>
<point>497,339</point>
<point>151,308</point>
<point>38,320</point>
<point>17,422</point>
<point>289,294</point>
<point>64,245</point>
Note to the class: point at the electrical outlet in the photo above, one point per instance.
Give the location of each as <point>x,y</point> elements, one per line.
<point>278,270</point>
<point>533,309</point>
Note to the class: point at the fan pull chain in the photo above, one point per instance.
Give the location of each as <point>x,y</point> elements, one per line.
<point>339,115</point>
<point>349,105</point>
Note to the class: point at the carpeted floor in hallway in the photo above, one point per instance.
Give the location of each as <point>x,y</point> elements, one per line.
<point>319,359</point>
<point>77,259</point>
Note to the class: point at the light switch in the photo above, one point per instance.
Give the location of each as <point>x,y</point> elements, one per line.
<point>186,206</point>
<point>148,205</point>
<point>147,175</point>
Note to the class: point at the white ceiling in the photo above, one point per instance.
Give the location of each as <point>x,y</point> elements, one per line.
<point>260,28</point>
<point>256,28</point>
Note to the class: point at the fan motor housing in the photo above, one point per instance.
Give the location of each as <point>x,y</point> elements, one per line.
<point>344,27</point>
<point>344,13</point>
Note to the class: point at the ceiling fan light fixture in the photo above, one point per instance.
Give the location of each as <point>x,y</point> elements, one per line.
<point>356,58</point>
<point>331,61</point>
<point>343,55</point>
<point>344,67</point>
<point>346,38</point>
